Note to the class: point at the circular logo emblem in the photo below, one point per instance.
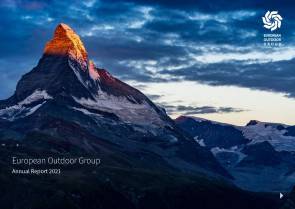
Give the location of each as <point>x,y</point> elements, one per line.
<point>272,20</point>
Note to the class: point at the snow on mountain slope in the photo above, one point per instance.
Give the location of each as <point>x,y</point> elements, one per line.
<point>25,107</point>
<point>37,95</point>
<point>127,111</point>
<point>274,133</point>
<point>233,150</point>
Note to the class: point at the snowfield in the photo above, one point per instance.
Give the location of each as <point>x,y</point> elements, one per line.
<point>22,109</point>
<point>269,132</point>
<point>141,114</point>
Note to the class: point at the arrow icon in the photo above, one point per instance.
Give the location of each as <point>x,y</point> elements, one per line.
<point>281,195</point>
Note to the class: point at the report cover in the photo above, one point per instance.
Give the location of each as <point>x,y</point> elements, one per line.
<point>147,104</point>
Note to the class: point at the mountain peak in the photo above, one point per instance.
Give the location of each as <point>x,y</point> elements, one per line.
<point>66,42</point>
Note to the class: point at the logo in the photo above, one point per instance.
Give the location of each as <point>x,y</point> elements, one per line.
<point>272,20</point>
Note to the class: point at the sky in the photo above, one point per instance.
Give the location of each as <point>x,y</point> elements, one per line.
<point>200,58</point>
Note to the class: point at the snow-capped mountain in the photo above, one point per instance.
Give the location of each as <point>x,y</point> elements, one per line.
<point>64,72</point>
<point>66,98</point>
<point>278,135</point>
<point>260,155</point>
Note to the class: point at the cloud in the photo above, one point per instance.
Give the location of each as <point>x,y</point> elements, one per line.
<point>215,6</point>
<point>154,97</point>
<point>272,76</point>
<point>191,110</point>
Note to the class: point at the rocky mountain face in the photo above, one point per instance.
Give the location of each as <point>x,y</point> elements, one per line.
<point>211,134</point>
<point>260,156</point>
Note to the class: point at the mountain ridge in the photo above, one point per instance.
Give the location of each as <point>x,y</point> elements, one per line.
<point>257,154</point>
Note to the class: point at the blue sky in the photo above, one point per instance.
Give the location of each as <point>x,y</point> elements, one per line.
<point>213,46</point>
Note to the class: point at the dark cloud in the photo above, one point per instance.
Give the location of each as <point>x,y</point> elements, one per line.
<point>130,50</point>
<point>217,5</point>
<point>272,76</point>
<point>154,97</point>
<point>191,110</point>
